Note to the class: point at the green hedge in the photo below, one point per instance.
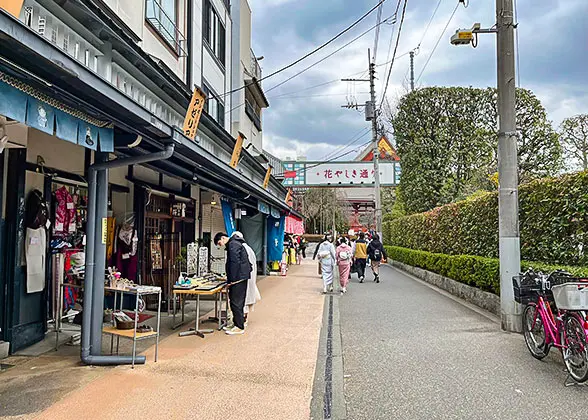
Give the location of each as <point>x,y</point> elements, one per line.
<point>480,272</point>
<point>553,224</point>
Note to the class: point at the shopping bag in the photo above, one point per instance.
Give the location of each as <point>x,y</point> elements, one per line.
<point>320,270</point>
<point>353,267</point>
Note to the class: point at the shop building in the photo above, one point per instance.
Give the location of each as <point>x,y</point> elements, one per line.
<point>87,82</point>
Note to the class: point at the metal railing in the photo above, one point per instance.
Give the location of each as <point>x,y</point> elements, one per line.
<point>166,27</point>
<point>253,114</point>
<point>255,67</point>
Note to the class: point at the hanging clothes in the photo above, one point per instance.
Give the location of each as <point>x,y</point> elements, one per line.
<point>65,213</point>
<point>35,249</point>
<point>126,251</point>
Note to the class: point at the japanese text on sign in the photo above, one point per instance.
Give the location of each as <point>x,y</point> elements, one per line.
<point>193,115</point>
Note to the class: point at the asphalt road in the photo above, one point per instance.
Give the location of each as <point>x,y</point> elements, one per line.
<point>410,352</point>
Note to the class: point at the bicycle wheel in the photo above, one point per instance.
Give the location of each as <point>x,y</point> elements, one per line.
<point>534,332</point>
<point>575,357</point>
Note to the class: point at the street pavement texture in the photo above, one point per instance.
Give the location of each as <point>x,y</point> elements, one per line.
<point>266,373</point>
<point>412,352</point>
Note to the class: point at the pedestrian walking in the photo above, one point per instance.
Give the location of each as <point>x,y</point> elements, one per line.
<point>238,270</point>
<point>303,246</point>
<point>253,294</point>
<point>327,258</point>
<point>344,256</point>
<point>360,255</point>
<point>377,254</point>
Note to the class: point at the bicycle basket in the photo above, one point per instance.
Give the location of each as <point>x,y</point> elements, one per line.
<point>571,296</point>
<point>526,289</point>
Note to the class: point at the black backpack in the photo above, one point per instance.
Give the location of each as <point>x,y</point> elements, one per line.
<point>377,255</point>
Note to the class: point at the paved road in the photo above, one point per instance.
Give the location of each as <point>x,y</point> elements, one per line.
<point>410,352</point>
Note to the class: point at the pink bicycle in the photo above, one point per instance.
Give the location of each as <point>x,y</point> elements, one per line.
<point>566,328</point>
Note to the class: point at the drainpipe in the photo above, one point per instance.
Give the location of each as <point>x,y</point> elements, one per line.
<point>95,267</point>
<point>264,230</point>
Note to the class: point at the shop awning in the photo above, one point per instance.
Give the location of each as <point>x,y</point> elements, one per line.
<point>294,225</point>
<point>43,65</point>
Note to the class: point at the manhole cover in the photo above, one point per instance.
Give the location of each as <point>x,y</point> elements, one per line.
<point>4,366</point>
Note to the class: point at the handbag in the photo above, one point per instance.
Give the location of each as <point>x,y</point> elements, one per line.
<point>320,269</point>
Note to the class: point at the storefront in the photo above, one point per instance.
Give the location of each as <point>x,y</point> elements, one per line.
<point>104,168</point>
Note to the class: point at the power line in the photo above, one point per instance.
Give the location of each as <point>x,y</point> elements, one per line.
<point>438,40</point>
<point>314,165</point>
<point>354,24</point>
<point>327,56</point>
<point>395,50</point>
<point>315,96</point>
<point>378,20</point>
<point>356,137</point>
<point>392,36</point>
<point>429,24</point>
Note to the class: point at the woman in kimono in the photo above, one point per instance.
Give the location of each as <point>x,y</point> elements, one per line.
<point>344,254</point>
<point>327,258</point>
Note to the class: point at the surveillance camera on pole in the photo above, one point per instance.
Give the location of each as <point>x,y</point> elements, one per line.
<point>469,36</point>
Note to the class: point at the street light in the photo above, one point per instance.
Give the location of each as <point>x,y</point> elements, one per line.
<point>508,200</point>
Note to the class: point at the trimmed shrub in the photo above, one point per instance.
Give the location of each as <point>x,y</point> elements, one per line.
<point>480,272</point>
<point>553,224</point>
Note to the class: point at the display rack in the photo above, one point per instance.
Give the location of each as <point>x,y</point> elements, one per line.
<point>133,334</point>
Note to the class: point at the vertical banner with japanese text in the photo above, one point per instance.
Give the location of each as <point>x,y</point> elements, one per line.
<point>237,150</point>
<point>267,177</point>
<point>194,112</point>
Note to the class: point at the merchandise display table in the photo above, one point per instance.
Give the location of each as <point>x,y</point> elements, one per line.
<point>216,290</point>
<point>112,330</point>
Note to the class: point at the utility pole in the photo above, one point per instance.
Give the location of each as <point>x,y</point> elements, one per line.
<point>508,195</point>
<point>371,114</point>
<point>376,151</point>
<point>412,70</point>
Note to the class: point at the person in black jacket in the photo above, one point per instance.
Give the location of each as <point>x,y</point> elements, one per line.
<point>238,269</point>
<point>377,254</point>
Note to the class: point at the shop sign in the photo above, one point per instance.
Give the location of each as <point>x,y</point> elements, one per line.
<point>263,207</point>
<point>267,177</point>
<point>348,173</point>
<point>275,213</point>
<point>237,150</point>
<point>193,114</point>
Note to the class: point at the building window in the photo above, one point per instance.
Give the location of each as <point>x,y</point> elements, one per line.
<point>214,106</point>
<point>163,16</point>
<point>214,32</point>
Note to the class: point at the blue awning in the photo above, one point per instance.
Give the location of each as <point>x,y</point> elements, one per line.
<point>263,207</point>
<point>22,107</point>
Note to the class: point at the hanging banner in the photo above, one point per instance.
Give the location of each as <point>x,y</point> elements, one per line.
<point>237,150</point>
<point>193,114</point>
<point>267,177</point>
<point>275,212</point>
<point>289,199</point>
<point>12,6</point>
<point>275,238</point>
<point>228,216</point>
<point>263,207</point>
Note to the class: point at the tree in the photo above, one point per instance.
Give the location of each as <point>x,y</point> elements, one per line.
<point>447,141</point>
<point>321,207</point>
<point>574,138</point>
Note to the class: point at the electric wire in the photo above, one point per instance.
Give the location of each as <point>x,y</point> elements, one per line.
<point>437,43</point>
<point>516,28</point>
<point>317,49</point>
<point>429,24</point>
<point>329,55</point>
<point>392,36</point>
<point>356,137</point>
<point>314,165</point>
<point>377,38</point>
<point>395,50</point>
<point>314,64</point>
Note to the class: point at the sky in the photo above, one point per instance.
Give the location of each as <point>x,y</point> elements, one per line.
<point>305,120</point>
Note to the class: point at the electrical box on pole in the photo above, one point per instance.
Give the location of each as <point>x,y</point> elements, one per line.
<point>370,110</point>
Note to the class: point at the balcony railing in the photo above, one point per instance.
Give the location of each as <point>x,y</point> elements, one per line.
<point>255,67</point>
<point>166,27</point>
<point>250,111</point>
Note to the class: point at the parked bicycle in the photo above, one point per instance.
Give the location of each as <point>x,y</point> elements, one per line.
<point>555,316</point>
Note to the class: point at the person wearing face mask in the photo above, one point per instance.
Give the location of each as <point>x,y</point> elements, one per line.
<point>327,257</point>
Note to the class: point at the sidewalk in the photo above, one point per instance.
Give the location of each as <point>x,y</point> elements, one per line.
<point>265,374</point>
